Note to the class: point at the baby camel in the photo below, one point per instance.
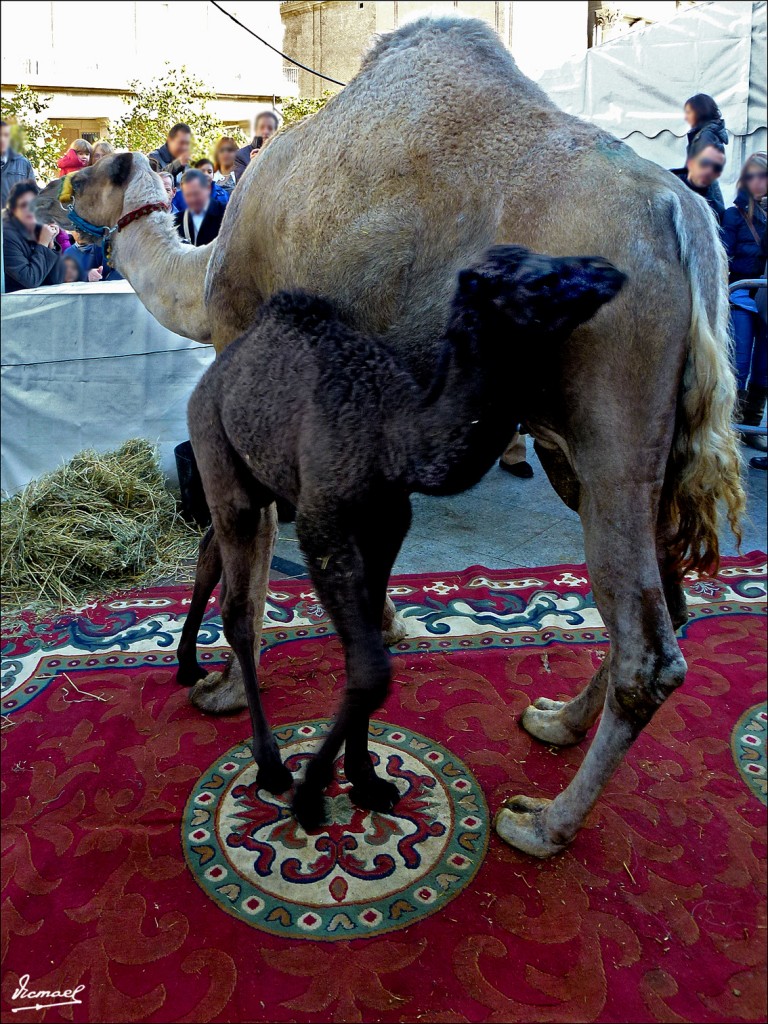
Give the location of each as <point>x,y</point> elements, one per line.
<point>306,408</point>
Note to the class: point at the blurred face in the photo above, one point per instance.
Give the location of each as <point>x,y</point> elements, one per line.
<point>180,145</point>
<point>71,272</point>
<point>690,115</point>
<point>5,139</point>
<point>756,180</point>
<point>264,126</point>
<point>23,210</point>
<point>97,155</point>
<point>227,157</point>
<point>79,238</point>
<point>195,195</point>
<point>705,168</point>
<point>167,181</point>
<point>206,169</point>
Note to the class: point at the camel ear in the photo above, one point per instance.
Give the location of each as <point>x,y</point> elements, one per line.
<point>540,282</point>
<point>120,169</point>
<point>472,283</point>
<point>592,280</point>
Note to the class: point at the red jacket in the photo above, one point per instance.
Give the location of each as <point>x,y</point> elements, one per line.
<point>69,162</point>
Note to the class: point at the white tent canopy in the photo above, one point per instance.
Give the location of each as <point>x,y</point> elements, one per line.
<point>635,86</point>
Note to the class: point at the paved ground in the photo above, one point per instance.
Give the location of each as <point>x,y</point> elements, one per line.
<point>505,522</point>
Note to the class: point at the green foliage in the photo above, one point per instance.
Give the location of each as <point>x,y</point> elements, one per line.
<point>301,107</point>
<point>173,97</point>
<point>32,134</point>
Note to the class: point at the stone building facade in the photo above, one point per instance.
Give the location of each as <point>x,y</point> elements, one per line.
<point>332,36</point>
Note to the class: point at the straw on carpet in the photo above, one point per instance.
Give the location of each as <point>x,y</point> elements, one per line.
<point>102,522</point>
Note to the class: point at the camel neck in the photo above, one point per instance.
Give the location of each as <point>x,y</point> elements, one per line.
<point>167,276</point>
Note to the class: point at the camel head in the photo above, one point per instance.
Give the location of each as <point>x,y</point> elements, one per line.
<point>101,194</point>
<point>542,297</point>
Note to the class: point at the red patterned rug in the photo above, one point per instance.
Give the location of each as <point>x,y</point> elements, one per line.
<point>144,872</point>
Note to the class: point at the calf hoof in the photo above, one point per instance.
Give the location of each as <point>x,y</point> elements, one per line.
<point>375,794</point>
<point>188,675</point>
<point>274,778</point>
<point>521,822</point>
<point>544,721</point>
<point>309,809</point>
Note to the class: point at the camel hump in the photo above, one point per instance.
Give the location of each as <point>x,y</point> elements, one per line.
<point>430,32</point>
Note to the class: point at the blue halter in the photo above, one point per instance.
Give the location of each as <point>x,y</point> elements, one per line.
<point>78,222</point>
<point>99,230</point>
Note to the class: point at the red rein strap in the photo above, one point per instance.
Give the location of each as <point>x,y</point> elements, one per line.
<point>129,218</point>
<point>141,211</point>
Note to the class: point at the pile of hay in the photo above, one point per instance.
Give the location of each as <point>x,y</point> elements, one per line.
<point>99,524</point>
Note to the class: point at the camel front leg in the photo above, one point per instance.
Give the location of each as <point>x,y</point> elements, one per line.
<point>223,693</point>
<point>645,666</point>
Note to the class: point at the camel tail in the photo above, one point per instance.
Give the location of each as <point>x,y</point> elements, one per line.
<point>705,464</point>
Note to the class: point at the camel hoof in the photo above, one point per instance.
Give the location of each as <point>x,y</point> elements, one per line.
<point>521,822</point>
<point>544,721</point>
<point>394,631</point>
<point>219,694</point>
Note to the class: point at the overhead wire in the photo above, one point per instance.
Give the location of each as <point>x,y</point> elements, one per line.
<point>285,56</point>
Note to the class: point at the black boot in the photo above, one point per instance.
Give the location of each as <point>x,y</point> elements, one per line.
<point>738,411</point>
<point>753,409</point>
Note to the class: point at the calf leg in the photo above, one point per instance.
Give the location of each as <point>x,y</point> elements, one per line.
<point>207,575</point>
<point>350,575</point>
<point>645,666</point>
<point>224,692</point>
<point>237,529</point>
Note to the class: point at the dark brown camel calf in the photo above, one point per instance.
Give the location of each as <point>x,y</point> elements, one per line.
<point>306,408</point>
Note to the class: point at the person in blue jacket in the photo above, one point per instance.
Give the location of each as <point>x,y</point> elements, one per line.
<point>744,237</point>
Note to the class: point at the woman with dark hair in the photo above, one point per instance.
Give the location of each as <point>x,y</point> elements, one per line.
<point>744,237</point>
<point>705,127</point>
<point>31,255</point>
<point>205,165</point>
<point>705,122</point>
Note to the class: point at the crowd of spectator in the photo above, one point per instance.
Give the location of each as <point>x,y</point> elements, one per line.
<point>198,192</point>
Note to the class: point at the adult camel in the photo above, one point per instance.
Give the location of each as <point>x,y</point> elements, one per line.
<point>377,201</point>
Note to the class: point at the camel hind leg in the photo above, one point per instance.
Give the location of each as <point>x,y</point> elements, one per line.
<point>566,723</point>
<point>645,664</point>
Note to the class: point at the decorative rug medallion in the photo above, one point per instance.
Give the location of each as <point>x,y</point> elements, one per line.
<point>748,746</point>
<point>364,873</point>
